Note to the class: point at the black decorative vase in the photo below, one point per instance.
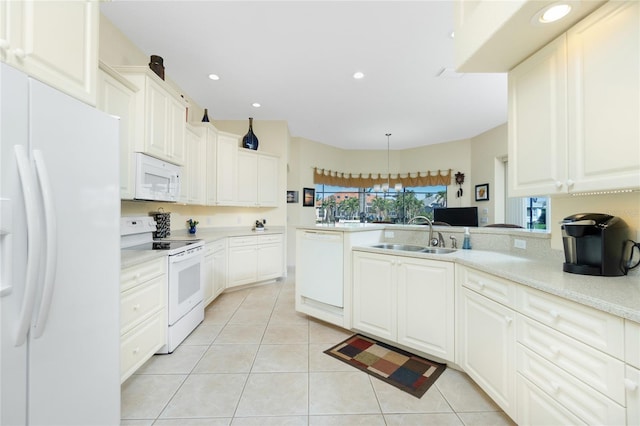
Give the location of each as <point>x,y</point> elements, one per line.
<point>250,140</point>
<point>205,117</point>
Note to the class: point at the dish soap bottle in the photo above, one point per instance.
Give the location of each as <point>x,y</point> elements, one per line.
<point>466,243</point>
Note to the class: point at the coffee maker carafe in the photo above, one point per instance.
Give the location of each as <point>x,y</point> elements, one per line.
<point>595,244</point>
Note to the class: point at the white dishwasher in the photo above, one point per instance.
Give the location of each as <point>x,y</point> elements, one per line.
<point>319,266</point>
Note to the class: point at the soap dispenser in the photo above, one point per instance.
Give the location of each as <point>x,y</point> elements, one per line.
<point>466,244</point>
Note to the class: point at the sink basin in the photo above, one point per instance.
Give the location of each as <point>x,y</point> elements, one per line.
<point>410,247</point>
<point>437,250</point>
<point>403,247</point>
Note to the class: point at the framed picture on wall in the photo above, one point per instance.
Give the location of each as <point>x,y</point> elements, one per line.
<point>482,192</point>
<point>308,196</point>
<point>292,196</point>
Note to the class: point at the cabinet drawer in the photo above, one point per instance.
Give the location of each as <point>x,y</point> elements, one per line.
<point>583,401</point>
<point>215,246</point>
<point>537,408</point>
<point>495,288</point>
<point>632,343</point>
<point>243,241</point>
<point>135,275</point>
<point>595,328</point>
<point>599,370</point>
<point>271,238</point>
<point>138,345</point>
<point>633,396</point>
<point>142,301</point>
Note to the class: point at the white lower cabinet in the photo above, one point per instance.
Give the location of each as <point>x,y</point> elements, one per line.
<point>255,258</point>
<point>143,313</point>
<point>486,350</point>
<point>405,300</point>
<point>215,270</point>
<point>561,361</point>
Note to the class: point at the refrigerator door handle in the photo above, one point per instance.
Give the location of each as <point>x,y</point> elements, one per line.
<point>51,244</point>
<point>33,244</point>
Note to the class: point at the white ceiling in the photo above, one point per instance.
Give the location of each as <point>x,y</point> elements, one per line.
<point>297,59</point>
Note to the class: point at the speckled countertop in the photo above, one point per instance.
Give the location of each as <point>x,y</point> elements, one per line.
<point>130,258</point>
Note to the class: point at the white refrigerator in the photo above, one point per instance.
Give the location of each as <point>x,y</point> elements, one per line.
<point>59,258</point>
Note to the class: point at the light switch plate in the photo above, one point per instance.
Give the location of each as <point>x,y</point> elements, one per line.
<point>521,244</point>
<point>388,234</point>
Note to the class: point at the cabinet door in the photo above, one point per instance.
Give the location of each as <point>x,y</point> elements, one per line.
<point>211,165</point>
<point>176,125</point>
<point>426,306</point>
<point>56,42</point>
<point>604,94</point>
<point>219,271</point>
<point>242,265</point>
<point>487,347</point>
<point>227,150</point>
<point>156,117</point>
<point>270,261</point>
<point>209,279</point>
<point>267,181</point>
<point>247,194</point>
<point>375,294</point>
<point>116,98</point>
<point>192,187</point>
<point>538,123</point>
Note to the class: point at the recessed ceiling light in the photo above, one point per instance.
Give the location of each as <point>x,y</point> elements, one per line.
<point>214,77</point>
<point>256,105</point>
<point>452,34</point>
<point>553,13</point>
<point>358,75</point>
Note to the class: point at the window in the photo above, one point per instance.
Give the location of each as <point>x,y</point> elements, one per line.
<point>334,203</point>
<point>528,212</point>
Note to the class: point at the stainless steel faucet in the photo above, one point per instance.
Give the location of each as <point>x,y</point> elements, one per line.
<point>413,219</point>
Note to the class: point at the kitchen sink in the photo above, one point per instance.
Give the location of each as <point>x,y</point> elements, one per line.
<point>410,247</point>
<point>437,250</point>
<point>403,247</point>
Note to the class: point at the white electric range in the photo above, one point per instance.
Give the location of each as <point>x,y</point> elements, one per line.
<point>185,274</point>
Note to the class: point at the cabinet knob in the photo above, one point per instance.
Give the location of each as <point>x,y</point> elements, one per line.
<point>630,385</point>
<point>555,387</point>
<point>555,351</point>
<point>137,276</point>
<point>558,184</point>
<point>570,183</point>
<point>136,306</point>
<point>481,285</point>
<point>554,315</point>
<point>508,320</point>
<point>136,350</point>
<point>19,53</point>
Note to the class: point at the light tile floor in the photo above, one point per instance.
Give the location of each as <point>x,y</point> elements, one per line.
<point>255,361</point>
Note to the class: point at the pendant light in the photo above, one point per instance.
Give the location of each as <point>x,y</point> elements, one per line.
<point>397,186</point>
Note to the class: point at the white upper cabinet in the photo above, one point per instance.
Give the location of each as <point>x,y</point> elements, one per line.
<point>226,168</point>
<point>116,96</point>
<point>54,41</point>
<point>495,36</point>
<point>604,99</point>
<point>574,108</point>
<point>257,179</point>
<point>193,183</point>
<point>538,122</point>
<point>160,116</point>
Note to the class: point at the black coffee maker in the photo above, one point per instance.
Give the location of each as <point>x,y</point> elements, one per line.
<point>595,244</point>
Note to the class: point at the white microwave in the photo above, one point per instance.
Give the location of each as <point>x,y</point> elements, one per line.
<point>156,180</point>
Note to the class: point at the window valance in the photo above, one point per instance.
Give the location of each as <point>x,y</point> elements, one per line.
<point>367,180</point>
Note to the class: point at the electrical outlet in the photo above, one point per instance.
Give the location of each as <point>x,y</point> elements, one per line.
<point>484,220</point>
<point>388,234</point>
<point>521,244</point>
<point>485,211</point>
